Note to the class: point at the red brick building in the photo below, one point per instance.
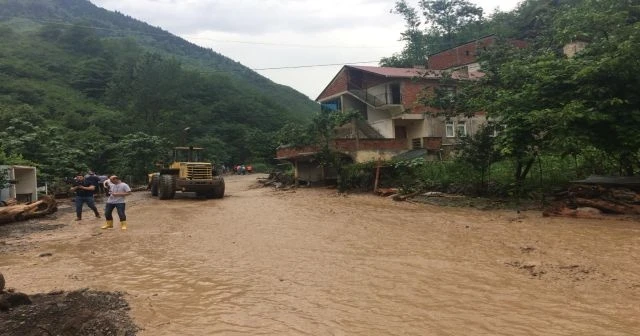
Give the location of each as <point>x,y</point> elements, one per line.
<point>389,101</point>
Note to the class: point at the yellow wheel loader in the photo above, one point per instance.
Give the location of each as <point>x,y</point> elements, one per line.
<point>187,173</point>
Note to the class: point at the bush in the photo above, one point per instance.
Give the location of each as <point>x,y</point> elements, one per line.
<point>261,168</point>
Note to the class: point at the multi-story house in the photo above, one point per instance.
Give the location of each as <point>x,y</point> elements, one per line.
<point>393,119</point>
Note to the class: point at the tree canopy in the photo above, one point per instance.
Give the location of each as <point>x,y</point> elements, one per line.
<point>548,100</point>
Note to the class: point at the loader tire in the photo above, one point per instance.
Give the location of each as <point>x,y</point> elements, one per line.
<point>217,192</point>
<point>154,185</point>
<point>166,187</point>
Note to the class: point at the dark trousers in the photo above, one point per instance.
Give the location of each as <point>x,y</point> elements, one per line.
<point>90,203</point>
<point>108,210</point>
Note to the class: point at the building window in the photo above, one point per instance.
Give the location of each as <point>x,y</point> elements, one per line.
<point>450,129</point>
<point>455,129</point>
<point>449,91</point>
<point>416,143</point>
<point>461,129</point>
<point>395,95</point>
<point>495,128</point>
<point>332,105</point>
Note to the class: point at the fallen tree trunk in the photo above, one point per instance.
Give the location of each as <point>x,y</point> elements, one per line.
<point>13,213</point>
<point>607,206</point>
<point>404,197</point>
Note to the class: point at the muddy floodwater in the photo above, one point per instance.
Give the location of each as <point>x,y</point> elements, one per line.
<point>312,262</point>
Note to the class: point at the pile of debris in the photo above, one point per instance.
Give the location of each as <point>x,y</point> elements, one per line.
<point>82,312</point>
<point>12,211</point>
<point>598,195</point>
<point>277,179</point>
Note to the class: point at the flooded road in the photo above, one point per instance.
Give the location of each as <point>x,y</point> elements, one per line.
<point>310,262</point>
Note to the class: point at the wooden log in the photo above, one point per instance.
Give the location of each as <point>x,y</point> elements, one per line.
<point>18,212</point>
<point>405,196</point>
<point>607,206</point>
<point>384,192</point>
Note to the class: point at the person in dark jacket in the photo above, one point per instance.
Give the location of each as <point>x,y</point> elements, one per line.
<point>95,180</point>
<point>84,190</point>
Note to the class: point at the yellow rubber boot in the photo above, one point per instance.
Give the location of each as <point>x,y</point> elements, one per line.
<point>108,225</point>
<point>123,225</point>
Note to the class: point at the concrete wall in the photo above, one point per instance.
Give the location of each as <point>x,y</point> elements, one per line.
<point>374,155</point>
<point>309,171</point>
<point>351,103</point>
<point>384,127</point>
<point>381,92</point>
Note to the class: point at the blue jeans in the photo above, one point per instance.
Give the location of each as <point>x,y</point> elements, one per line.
<point>108,210</point>
<point>90,203</point>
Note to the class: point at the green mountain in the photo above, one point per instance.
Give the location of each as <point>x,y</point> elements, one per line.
<point>79,84</point>
<point>30,14</point>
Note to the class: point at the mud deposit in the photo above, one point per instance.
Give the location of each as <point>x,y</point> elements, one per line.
<point>312,262</point>
<point>81,313</point>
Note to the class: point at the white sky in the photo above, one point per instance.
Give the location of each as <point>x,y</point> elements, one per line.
<point>282,33</point>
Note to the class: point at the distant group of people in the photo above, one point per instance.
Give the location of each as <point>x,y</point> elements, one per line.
<point>237,169</point>
<point>87,186</point>
<point>242,169</point>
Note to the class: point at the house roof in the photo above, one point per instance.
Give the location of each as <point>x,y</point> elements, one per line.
<point>397,72</point>
<point>389,72</point>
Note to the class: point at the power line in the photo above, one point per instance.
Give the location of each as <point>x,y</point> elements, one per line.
<point>169,34</point>
<point>289,67</point>
<point>313,66</point>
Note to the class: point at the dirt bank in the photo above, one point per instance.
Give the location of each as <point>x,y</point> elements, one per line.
<point>80,313</point>
<point>310,261</point>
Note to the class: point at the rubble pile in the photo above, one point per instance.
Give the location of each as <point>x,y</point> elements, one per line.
<point>277,179</point>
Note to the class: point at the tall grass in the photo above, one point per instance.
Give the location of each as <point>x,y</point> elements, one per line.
<point>548,174</point>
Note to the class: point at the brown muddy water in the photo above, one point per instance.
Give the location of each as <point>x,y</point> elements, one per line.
<point>310,262</point>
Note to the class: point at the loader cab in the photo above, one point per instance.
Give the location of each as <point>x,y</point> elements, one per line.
<point>188,154</point>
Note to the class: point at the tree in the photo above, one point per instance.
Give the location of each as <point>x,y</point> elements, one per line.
<point>605,105</point>
<point>444,23</point>
<point>136,154</point>
<point>415,49</point>
<point>541,96</point>
<point>447,17</point>
<point>479,151</point>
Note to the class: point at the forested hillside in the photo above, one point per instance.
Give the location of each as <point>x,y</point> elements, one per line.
<point>82,87</point>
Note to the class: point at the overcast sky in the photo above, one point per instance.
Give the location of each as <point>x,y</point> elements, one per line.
<point>285,33</point>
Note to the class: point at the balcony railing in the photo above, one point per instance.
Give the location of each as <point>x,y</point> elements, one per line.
<point>373,100</point>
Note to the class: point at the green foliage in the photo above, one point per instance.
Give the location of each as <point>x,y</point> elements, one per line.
<point>415,49</point>
<point>555,104</point>
<point>447,17</point>
<point>479,152</point>
<point>559,118</point>
<point>261,167</point>
<point>136,154</point>
<point>294,134</point>
<point>360,176</point>
<point>444,23</point>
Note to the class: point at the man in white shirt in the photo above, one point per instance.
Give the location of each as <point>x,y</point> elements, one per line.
<point>117,192</point>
